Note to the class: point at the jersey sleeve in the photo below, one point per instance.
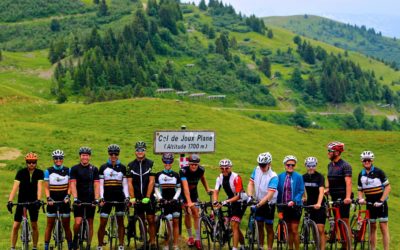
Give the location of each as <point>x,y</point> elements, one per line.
<point>101,172</point>
<point>218,184</point>
<point>383,178</point>
<point>96,174</point>
<point>321,182</point>
<point>238,184</point>
<point>359,182</point>
<point>157,182</point>
<point>347,170</point>
<point>182,175</point>
<point>273,183</point>
<point>46,175</point>
<point>73,174</point>
<point>123,171</point>
<point>253,175</point>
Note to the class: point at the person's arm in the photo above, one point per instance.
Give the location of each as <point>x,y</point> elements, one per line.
<point>272,188</point>
<point>300,188</point>
<point>72,185</point>
<point>130,188</point>
<point>150,186</point>
<point>96,189</point>
<point>215,195</point>
<point>125,188</point>
<point>320,198</point>
<point>204,182</point>
<point>186,192</point>
<point>13,190</point>
<point>46,189</point>
<point>250,186</point>
<point>157,188</point>
<point>39,189</point>
<point>348,181</point>
<point>177,192</point>
<point>360,195</point>
<point>101,188</point>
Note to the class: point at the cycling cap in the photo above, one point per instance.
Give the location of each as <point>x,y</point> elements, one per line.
<point>31,156</point>
<point>194,158</point>
<point>367,155</point>
<point>140,144</point>
<point>168,158</point>
<point>311,161</point>
<point>113,148</point>
<point>264,158</point>
<point>57,153</point>
<point>289,158</point>
<point>85,150</point>
<point>336,146</point>
<point>225,162</point>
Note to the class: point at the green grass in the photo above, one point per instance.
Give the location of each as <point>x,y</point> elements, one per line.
<point>69,126</point>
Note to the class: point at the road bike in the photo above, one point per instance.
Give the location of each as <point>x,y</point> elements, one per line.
<point>58,229</point>
<point>361,227</point>
<point>338,232</point>
<point>252,233</point>
<point>281,231</point>
<point>112,228</point>
<point>83,233</point>
<point>222,231</point>
<point>206,223</point>
<point>136,229</point>
<point>164,233</point>
<point>309,235</point>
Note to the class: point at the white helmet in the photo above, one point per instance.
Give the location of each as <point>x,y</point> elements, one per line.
<point>311,161</point>
<point>264,158</point>
<point>367,155</point>
<point>225,162</point>
<point>57,153</point>
<point>289,158</point>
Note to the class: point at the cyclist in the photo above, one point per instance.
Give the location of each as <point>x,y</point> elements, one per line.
<point>231,182</point>
<point>168,189</point>
<point>113,187</point>
<point>315,186</point>
<point>190,177</point>
<point>141,187</point>
<point>291,189</point>
<point>373,183</point>
<point>84,184</point>
<point>28,183</point>
<point>339,179</point>
<point>56,188</point>
<point>262,185</point>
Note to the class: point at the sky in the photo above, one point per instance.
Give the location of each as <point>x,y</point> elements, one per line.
<point>383,15</point>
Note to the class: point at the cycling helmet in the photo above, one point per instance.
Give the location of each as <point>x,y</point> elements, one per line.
<point>225,162</point>
<point>113,148</point>
<point>57,153</point>
<point>140,144</point>
<point>367,155</point>
<point>264,158</point>
<point>311,161</point>
<point>168,158</point>
<point>289,158</point>
<point>194,158</point>
<point>336,146</point>
<point>85,150</point>
<point>31,157</point>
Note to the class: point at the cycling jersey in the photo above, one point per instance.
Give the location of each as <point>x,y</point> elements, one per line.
<point>312,183</point>
<point>140,172</point>
<point>232,184</point>
<point>85,177</point>
<point>28,184</point>
<point>167,185</point>
<point>337,171</point>
<point>296,185</point>
<point>193,179</point>
<point>57,178</point>
<point>372,183</point>
<point>112,187</point>
<point>264,182</point>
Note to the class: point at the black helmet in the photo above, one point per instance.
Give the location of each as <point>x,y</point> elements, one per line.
<point>194,158</point>
<point>140,145</point>
<point>85,150</point>
<point>113,148</point>
<point>168,158</point>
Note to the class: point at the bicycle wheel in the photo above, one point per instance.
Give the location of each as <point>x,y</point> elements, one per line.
<point>164,233</point>
<point>137,231</point>
<point>218,235</point>
<point>311,239</point>
<point>343,235</point>
<point>111,233</point>
<point>252,235</point>
<point>281,235</point>
<point>58,235</point>
<point>84,234</point>
<point>228,235</point>
<point>364,238</point>
<point>205,234</point>
<point>25,235</point>
<point>331,242</point>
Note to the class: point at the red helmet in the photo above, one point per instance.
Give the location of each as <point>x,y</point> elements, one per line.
<point>31,156</point>
<point>336,146</point>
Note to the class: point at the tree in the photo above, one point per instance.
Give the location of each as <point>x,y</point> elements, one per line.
<point>296,80</point>
<point>270,34</point>
<point>203,5</point>
<point>55,25</point>
<point>359,116</point>
<point>103,9</point>
<point>265,67</point>
<point>297,40</point>
<point>300,117</point>
<point>1,55</point>
<point>386,125</point>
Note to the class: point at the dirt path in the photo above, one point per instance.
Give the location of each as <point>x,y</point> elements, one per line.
<point>9,153</point>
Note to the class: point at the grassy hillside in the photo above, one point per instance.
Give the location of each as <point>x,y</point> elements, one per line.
<point>362,39</point>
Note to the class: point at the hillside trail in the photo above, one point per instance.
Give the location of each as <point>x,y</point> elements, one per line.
<point>9,154</point>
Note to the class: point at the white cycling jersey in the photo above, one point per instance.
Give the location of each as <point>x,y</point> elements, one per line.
<point>263,182</point>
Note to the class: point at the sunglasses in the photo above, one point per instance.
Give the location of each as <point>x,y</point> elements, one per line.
<point>116,154</point>
<point>224,168</point>
<point>311,166</point>
<point>58,158</point>
<point>31,162</point>
<point>168,162</point>
<point>262,165</point>
<point>367,160</point>
<point>290,165</point>
<point>140,150</point>
<point>330,150</point>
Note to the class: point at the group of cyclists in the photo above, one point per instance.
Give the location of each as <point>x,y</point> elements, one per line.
<point>139,186</point>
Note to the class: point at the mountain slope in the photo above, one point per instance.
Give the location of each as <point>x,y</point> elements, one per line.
<point>348,37</point>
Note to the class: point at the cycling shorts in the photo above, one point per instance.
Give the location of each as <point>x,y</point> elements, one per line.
<point>148,209</point>
<point>106,210</point>
<point>291,214</point>
<point>79,210</point>
<point>33,213</point>
<point>65,210</point>
<point>378,213</point>
<point>266,214</point>
<point>318,215</point>
<point>236,211</point>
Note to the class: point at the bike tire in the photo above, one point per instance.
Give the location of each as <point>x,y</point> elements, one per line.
<point>164,233</point>
<point>58,234</point>
<point>112,229</point>
<point>138,232</point>
<point>343,235</point>
<point>218,235</point>
<point>253,235</point>
<point>84,235</point>
<point>25,235</point>
<point>205,234</point>
<point>365,239</point>
<point>281,236</point>
<point>311,240</point>
<point>331,241</point>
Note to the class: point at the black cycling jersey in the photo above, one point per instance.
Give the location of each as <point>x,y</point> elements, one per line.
<point>113,177</point>
<point>167,182</point>
<point>312,183</point>
<point>193,179</point>
<point>28,184</point>
<point>57,178</point>
<point>140,172</point>
<point>84,176</point>
<point>372,183</point>
<point>337,171</point>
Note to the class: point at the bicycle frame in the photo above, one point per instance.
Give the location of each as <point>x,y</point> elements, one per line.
<point>131,231</point>
<point>309,234</point>
<point>338,229</point>
<point>58,229</point>
<point>112,230</point>
<point>360,227</point>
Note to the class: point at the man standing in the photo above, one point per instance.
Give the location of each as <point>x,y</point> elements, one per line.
<point>339,179</point>
<point>84,183</point>
<point>373,182</point>
<point>141,187</point>
<point>28,183</point>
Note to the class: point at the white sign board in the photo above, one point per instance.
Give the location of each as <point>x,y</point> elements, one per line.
<point>184,141</point>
